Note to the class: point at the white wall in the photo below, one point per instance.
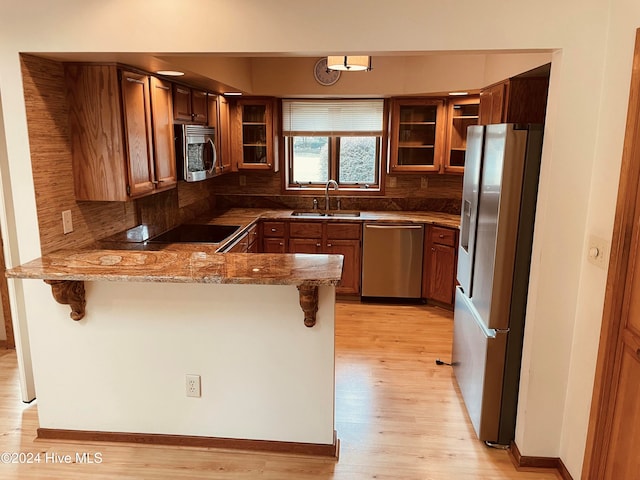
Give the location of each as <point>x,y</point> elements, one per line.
<point>580,160</point>
<point>265,376</point>
<point>623,21</point>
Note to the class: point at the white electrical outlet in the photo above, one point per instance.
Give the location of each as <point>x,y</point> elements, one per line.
<point>67,222</point>
<point>424,182</point>
<point>193,385</point>
<point>393,182</point>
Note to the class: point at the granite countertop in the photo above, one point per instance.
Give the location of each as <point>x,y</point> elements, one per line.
<point>135,238</point>
<point>127,256</point>
<point>184,267</point>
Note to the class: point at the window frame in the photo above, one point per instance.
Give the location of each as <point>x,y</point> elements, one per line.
<point>355,189</point>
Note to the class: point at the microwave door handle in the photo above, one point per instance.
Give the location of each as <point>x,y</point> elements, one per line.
<point>215,155</point>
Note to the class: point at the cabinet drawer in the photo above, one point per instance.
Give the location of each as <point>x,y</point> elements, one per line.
<point>443,236</point>
<point>344,231</point>
<point>305,230</point>
<point>273,229</point>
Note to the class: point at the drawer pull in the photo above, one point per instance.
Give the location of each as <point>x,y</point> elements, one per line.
<point>329,245</point>
<point>441,236</point>
<point>273,229</point>
<point>317,244</point>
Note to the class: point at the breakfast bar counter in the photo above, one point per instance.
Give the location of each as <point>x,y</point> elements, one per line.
<point>183,266</point>
<point>155,319</point>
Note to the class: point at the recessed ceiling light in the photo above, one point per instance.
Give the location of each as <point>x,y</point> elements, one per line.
<point>170,73</point>
<point>458,93</point>
<point>232,94</point>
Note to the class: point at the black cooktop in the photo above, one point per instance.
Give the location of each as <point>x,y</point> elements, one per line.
<point>196,234</point>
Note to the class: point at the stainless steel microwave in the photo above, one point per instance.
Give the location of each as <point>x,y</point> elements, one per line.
<point>195,152</point>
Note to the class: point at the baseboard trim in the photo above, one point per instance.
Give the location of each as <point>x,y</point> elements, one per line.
<point>522,461</point>
<point>314,449</point>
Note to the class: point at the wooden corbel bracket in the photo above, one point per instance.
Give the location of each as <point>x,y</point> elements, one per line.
<point>309,303</point>
<point>69,292</point>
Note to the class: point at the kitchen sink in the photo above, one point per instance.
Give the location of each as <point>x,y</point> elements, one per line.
<point>308,214</point>
<point>318,213</point>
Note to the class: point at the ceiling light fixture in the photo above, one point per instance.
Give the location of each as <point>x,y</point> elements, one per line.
<point>232,94</point>
<point>458,94</point>
<point>170,73</point>
<point>350,63</point>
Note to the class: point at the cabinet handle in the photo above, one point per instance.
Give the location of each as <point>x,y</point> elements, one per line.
<point>317,244</point>
<point>273,229</point>
<point>134,80</point>
<point>433,249</point>
<point>280,244</point>
<point>329,245</point>
<point>441,236</point>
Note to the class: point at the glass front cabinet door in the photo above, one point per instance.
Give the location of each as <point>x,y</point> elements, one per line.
<point>254,127</point>
<point>417,135</point>
<point>461,114</point>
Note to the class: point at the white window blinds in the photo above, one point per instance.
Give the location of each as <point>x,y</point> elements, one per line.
<point>332,117</point>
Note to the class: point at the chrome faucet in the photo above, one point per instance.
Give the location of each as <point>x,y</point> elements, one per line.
<point>326,193</point>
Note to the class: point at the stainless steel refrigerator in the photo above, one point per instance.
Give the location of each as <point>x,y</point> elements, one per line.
<point>500,186</point>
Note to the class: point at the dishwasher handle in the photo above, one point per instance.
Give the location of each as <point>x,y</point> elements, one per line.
<point>386,227</point>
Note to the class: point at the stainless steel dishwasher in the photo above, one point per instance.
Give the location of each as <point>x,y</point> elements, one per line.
<point>392,260</point>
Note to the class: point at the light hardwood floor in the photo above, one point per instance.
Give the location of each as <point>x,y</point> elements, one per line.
<point>398,416</point>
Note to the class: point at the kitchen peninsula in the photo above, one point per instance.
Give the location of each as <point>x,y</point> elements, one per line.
<point>156,313</point>
<point>233,320</point>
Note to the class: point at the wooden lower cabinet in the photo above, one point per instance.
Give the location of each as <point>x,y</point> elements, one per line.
<point>342,238</point>
<point>351,271</point>
<point>319,237</point>
<point>440,262</point>
<point>305,245</point>
<point>274,237</point>
<point>273,245</point>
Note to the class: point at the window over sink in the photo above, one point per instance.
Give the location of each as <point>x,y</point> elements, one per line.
<point>333,139</point>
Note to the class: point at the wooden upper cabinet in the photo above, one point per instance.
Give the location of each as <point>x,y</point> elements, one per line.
<point>417,135</point>
<point>492,104</point>
<point>218,118</point>
<point>189,105</point>
<point>163,138</point>
<point>181,103</point>
<point>516,100</point>
<point>136,109</point>
<point>253,134</point>
<point>462,112</point>
<point>114,152</point>
<point>96,132</point>
<point>199,106</point>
